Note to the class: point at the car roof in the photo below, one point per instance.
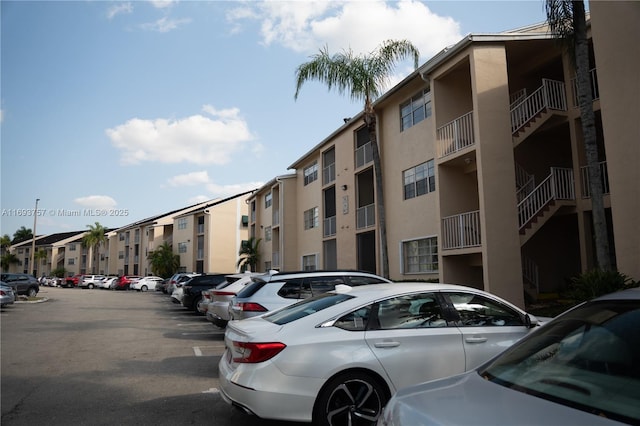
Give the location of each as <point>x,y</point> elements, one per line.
<point>274,276</point>
<point>628,294</point>
<point>389,289</point>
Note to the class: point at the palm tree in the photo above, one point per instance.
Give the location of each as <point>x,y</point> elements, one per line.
<point>164,262</point>
<point>37,257</point>
<point>567,21</point>
<point>93,239</point>
<point>7,260</point>
<point>5,242</point>
<point>249,254</point>
<point>365,77</point>
<point>22,234</point>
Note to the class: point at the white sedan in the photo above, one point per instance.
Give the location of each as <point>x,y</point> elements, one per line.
<point>146,283</point>
<point>337,358</point>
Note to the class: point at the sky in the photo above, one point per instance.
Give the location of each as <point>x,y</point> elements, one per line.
<point>115,111</point>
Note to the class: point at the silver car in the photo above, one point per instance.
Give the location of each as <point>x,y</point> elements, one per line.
<point>7,296</point>
<point>581,368</point>
<point>336,358</point>
<point>221,297</point>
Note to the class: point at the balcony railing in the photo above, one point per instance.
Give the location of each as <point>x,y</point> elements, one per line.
<point>329,227</point>
<point>455,135</point>
<point>275,218</point>
<point>366,216</point>
<point>551,95</point>
<point>461,231</point>
<point>275,259</point>
<point>364,155</point>
<point>329,173</point>
<point>584,174</point>
<point>559,185</point>
<point>595,89</point>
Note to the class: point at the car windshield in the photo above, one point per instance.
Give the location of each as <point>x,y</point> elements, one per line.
<point>305,307</point>
<point>589,360</point>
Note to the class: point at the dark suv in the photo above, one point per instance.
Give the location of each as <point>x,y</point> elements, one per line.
<point>193,288</point>
<point>22,283</point>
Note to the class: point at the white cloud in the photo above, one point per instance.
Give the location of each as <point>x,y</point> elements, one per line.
<point>229,190</point>
<point>164,24</point>
<point>197,199</point>
<point>189,179</point>
<point>162,4</point>
<point>307,26</point>
<point>96,201</point>
<point>118,9</point>
<point>196,139</point>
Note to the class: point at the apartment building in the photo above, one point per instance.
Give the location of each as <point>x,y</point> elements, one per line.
<point>484,170</point>
<point>209,238</point>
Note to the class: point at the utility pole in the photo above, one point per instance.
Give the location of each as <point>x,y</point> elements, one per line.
<point>33,240</point>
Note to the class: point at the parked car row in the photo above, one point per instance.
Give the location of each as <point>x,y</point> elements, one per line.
<point>22,284</point>
<point>7,295</point>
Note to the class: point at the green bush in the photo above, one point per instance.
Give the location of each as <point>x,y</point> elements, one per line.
<point>596,283</point>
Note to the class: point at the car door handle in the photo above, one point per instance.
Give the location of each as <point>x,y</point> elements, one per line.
<point>475,339</point>
<point>386,344</point>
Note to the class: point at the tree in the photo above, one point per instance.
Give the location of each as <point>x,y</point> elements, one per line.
<point>5,242</point>
<point>365,77</point>
<point>38,256</point>
<point>249,254</point>
<point>567,21</point>
<point>164,262</point>
<point>9,259</point>
<point>22,234</point>
<point>93,239</point>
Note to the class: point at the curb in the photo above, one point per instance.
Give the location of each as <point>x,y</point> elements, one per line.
<point>44,299</point>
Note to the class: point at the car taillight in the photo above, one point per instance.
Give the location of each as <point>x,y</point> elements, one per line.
<point>223,293</point>
<point>251,307</point>
<point>248,352</point>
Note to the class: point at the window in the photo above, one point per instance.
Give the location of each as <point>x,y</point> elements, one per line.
<point>410,311</point>
<point>71,261</point>
<point>121,254</point>
<point>267,233</point>
<point>329,162</point>
<point>121,236</point>
<point>72,247</point>
<point>182,247</point>
<point>310,173</point>
<point>182,223</point>
<point>419,180</point>
<point>415,110</point>
<point>309,262</point>
<point>268,200</point>
<point>311,218</point>
<point>420,256</point>
<point>478,311</point>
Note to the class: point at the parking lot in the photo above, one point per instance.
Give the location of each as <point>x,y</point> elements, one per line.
<point>105,357</point>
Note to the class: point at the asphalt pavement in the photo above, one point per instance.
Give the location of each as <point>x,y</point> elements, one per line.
<point>101,357</point>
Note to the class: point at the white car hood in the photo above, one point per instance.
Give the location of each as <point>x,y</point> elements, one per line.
<point>468,399</point>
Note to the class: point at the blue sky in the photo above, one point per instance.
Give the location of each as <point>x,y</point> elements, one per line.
<point>142,107</point>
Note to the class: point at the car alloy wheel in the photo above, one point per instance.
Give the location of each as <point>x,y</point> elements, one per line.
<point>143,288</point>
<point>353,398</point>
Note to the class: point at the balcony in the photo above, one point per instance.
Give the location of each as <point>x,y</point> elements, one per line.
<point>364,155</point>
<point>550,96</point>
<point>584,174</point>
<point>329,228</point>
<point>275,218</point>
<point>366,216</point>
<point>461,231</point>
<point>455,135</point>
<point>329,173</point>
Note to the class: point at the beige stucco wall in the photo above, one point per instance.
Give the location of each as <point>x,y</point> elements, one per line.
<point>617,50</point>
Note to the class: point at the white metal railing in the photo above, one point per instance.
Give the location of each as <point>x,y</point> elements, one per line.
<point>275,259</point>
<point>559,185</point>
<point>329,173</point>
<point>584,174</point>
<point>516,97</point>
<point>525,183</point>
<point>275,217</point>
<point>595,89</point>
<point>364,155</point>
<point>461,231</point>
<point>531,273</point>
<point>365,216</point>
<point>551,95</point>
<point>455,135</point>
<point>329,228</point>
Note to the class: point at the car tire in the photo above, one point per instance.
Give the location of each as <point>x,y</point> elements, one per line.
<point>354,398</point>
<point>32,292</point>
<point>143,288</point>
<point>90,286</point>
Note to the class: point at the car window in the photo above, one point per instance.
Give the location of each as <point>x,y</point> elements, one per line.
<point>318,285</point>
<point>410,311</point>
<point>305,307</point>
<point>478,311</point>
<point>355,280</point>
<point>250,289</point>
<point>291,289</point>
<point>588,359</point>
<point>356,320</point>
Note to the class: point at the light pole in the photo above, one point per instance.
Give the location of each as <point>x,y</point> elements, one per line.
<point>33,240</point>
